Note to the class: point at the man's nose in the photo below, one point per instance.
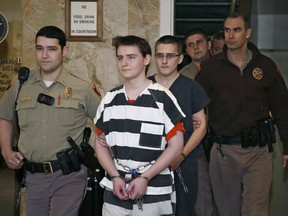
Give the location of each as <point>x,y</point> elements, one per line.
<point>44,53</point>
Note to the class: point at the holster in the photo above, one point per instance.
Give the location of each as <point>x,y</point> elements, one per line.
<point>86,152</point>
<point>207,143</point>
<point>68,161</point>
<point>262,134</point>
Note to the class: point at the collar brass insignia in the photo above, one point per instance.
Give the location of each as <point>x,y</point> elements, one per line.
<point>257,73</point>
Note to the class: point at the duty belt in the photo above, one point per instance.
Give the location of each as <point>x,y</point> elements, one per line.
<point>227,139</point>
<point>261,134</point>
<point>47,167</point>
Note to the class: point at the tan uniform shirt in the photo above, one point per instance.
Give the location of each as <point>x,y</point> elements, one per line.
<point>43,128</point>
<point>190,70</point>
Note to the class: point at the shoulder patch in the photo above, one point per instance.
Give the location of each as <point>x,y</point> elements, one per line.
<point>9,85</point>
<point>95,89</point>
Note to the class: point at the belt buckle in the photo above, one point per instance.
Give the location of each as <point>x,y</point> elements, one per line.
<point>48,167</point>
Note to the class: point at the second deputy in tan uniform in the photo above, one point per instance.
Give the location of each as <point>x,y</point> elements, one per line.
<point>53,104</point>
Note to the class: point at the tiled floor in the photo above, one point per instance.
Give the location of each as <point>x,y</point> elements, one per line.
<point>7,192</point>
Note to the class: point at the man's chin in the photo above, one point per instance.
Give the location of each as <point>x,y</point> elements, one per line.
<point>46,70</point>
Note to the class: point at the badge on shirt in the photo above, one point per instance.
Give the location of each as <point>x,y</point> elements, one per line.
<point>257,73</point>
<point>68,92</point>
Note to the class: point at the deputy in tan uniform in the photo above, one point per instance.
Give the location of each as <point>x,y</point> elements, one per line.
<point>52,105</point>
<point>197,47</point>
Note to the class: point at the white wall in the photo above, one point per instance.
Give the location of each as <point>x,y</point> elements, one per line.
<point>166,17</point>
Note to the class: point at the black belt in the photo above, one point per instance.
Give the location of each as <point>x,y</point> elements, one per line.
<point>44,167</point>
<point>227,139</point>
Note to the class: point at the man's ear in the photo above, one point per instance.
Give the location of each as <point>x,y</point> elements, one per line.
<point>65,50</point>
<point>147,59</point>
<point>181,57</point>
<point>209,44</point>
<point>248,33</point>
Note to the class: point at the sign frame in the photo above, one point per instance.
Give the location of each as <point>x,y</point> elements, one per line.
<point>84,20</point>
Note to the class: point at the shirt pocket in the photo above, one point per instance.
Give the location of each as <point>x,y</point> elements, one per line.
<point>67,113</point>
<point>26,112</point>
<point>151,135</point>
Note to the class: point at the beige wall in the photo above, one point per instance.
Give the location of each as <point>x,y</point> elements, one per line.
<point>97,59</point>
<point>94,59</point>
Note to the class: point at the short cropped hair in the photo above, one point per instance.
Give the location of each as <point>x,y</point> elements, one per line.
<point>243,16</point>
<point>196,31</point>
<point>169,39</point>
<point>52,32</point>
<point>218,35</point>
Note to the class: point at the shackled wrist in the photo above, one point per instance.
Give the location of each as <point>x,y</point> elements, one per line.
<point>116,176</point>
<point>144,177</point>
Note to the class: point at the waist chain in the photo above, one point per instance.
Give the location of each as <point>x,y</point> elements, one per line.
<point>128,169</point>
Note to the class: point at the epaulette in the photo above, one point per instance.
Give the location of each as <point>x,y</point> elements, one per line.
<point>79,75</point>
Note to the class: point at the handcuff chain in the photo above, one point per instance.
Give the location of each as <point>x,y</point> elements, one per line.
<point>178,170</point>
<point>139,202</point>
<point>128,169</point>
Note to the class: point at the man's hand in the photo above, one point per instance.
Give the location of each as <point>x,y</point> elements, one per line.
<point>196,122</point>
<point>284,160</point>
<point>13,159</point>
<point>137,188</point>
<point>119,188</point>
<point>177,162</point>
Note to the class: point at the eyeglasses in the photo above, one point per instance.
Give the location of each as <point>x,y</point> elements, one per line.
<point>197,43</point>
<point>167,55</point>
